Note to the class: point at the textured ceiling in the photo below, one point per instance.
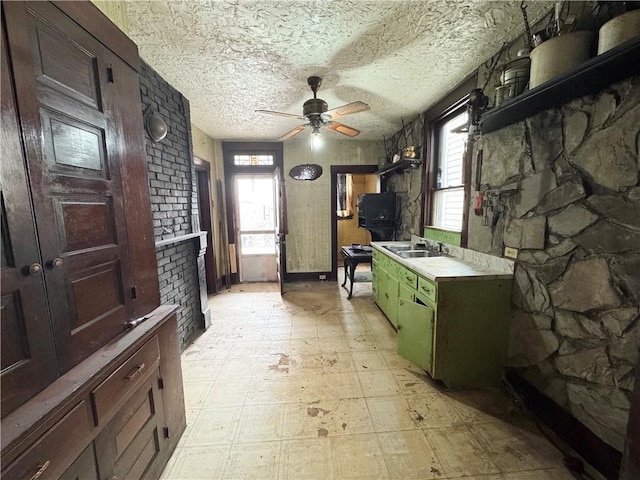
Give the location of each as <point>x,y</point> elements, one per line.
<point>230,58</point>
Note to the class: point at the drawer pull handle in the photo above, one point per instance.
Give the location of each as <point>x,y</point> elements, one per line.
<point>134,373</point>
<point>41,470</point>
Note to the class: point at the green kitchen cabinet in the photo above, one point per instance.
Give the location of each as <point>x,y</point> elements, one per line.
<point>415,332</point>
<point>388,295</point>
<point>455,329</point>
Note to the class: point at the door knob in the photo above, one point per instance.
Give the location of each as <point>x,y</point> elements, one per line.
<point>34,268</point>
<point>55,263</point>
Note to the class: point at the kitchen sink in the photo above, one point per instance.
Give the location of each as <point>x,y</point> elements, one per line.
<point>418,254</point>
<point>398,248</point>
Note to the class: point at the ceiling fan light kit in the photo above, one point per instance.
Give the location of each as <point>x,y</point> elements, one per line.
<point>317,115</point>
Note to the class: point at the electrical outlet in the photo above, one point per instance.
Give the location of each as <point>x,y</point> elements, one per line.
<point>510,252</point>
<point>322,277</point>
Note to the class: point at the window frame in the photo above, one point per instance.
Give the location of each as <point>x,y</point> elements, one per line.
<point>454,103</point>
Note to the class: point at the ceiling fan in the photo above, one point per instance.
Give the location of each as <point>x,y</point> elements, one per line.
<point>315,112</point>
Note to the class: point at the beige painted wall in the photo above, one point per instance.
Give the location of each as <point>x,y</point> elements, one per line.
<point>116,11</point>
<point>309,203</point>
<point>208,149</point>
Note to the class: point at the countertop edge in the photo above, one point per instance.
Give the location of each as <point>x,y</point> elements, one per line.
<point>421,270</point>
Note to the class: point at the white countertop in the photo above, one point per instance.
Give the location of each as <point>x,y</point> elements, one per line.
<point>449,268</point>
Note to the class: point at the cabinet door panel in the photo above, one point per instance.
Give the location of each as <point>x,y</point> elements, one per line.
<point>415,333</point>
<point>28,357</point>
<point>130,443</point>
<point>64,89</point>
<point>84,468</point>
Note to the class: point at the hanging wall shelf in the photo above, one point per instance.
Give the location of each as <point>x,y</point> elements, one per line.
<point>399,166</point>
<point>590,77</point>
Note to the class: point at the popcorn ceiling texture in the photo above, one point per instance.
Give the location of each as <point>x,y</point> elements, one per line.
<point>231,58</point>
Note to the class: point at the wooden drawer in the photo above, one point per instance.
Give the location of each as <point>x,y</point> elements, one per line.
<point>125,379</point>
<point>407,277</point>
<point>56,450</point>
<point>427,288</point>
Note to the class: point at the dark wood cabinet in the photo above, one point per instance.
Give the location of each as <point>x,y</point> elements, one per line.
<point>83,396</point>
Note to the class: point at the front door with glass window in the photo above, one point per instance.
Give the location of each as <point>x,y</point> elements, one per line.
<point>256,227</point>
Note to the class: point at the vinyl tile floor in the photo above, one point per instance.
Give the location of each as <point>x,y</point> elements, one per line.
<point>309,386</point>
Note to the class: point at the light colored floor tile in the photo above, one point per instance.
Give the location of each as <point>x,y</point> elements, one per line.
<point>414,382</point>
<point>409,456</point>
<point>200,370</point>
<point>305,460</point>
<point>368,361</point>
<point>228,392</point>
<point>378,383</point>
<point>215,426</point>
<point>296,387</point>
<point>257,461</point>
<point>390,414</point>
<point>195,394</point>
<point>260,423</point>
<point>432,411</point>
<point>459,452</point>
<point>357,457</point>
<point>511,451</point>
<point>303,331</point>
<point>361,343</point>
<point>197,463</point>
<point>328,417</point>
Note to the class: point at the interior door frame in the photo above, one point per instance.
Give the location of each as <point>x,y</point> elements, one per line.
<point>203,170</point>
<point>335,170</point>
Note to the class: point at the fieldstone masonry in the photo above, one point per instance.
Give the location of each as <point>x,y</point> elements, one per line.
<point>173,201</point>
<point>575,330</point>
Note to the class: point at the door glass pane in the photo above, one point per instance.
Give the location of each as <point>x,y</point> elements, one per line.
<point>256,203</point>
<point>258,243</point>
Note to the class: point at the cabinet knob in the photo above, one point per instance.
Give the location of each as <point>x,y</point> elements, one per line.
<point>55,263</point>
<point>35,268</point>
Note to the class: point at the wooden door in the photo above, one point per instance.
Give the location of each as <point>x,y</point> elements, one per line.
<point>28,356</point>
<point>203,172</point>
<point>281,226</point>
<point>66,89</point>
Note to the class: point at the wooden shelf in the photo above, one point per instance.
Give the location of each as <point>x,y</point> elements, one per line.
<point>400,166</point>
<point>590,77</point>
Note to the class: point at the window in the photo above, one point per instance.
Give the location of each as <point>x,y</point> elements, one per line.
<point>448,192</point>
<point>249,160</point>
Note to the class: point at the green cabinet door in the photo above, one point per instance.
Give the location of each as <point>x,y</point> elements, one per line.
<point>388,295</point>
<point>415,333</point>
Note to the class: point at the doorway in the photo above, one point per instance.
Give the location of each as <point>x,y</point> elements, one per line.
<point>203,173</point>
<point>344,215</point>
<point>256,227</point>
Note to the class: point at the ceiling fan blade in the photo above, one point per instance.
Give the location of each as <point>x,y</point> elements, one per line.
<point>344,129</point>
<point>292,133</point>
<point>281,114</point>
<point>348,109</point>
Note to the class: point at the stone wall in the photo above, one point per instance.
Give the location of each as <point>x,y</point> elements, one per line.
<point>408,185</point>
<point>575,218</point>
<point>173,201</point>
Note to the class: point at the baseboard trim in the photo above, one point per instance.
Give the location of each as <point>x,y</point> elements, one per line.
<point>574,433</point>
<point>308,276</point>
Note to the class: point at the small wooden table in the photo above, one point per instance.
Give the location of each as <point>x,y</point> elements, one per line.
<point>352,257</point>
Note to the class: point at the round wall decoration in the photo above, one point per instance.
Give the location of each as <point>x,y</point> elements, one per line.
<point>309,171</point>
<point>156,127</point>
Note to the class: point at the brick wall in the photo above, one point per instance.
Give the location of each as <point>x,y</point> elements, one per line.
<point>172,185</point>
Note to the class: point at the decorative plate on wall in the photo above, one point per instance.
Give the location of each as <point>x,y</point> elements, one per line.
<point>310,171</point>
